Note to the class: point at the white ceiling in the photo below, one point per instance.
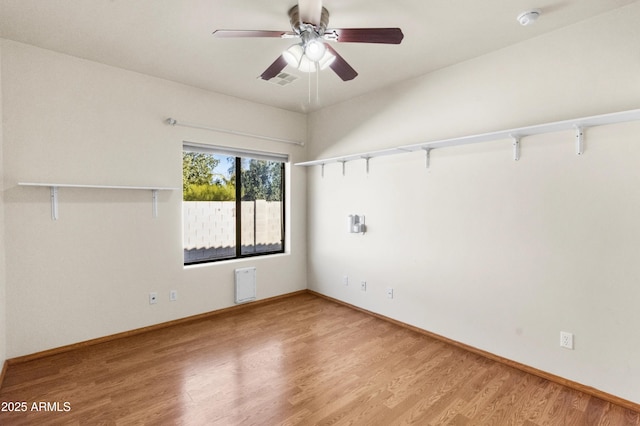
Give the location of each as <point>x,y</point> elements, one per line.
<point>172,39</point>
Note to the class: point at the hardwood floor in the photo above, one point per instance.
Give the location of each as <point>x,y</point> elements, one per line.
<point>302,360</point>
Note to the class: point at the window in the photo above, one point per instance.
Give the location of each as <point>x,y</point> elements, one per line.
<point>233,203</point>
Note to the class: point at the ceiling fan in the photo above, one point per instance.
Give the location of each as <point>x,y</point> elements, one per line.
<point>309,21</point>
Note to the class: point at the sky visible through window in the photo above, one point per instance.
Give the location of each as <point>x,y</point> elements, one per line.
<point>223,166</point>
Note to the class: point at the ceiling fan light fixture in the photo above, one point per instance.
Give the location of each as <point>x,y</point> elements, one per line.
<point>315,50</point>
<point>297,56</point>
<point>293,55</point>
<point>307,65</point>
<point>327,60</point>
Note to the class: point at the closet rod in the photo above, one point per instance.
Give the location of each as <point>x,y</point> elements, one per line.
<point>173,122</point>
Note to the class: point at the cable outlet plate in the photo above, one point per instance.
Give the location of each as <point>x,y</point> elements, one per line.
<point>363,285</point>
<point>173,295</point>
<point>153,298</point>
<point>345,280</point>
<point>566,340</point>
<point>389,292</point>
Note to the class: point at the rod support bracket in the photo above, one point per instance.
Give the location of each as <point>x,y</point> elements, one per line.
<point>343,166</point>
<point>54,203</point>
<point>427,157</point>
<point>366,159</point>
<point>515,140</point>
<point>154,202</point>
<point>579,140</point>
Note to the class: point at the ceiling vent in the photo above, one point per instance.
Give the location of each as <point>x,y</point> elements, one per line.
<point>282,79</point>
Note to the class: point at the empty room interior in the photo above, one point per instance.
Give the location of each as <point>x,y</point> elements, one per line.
<point>415,212</point>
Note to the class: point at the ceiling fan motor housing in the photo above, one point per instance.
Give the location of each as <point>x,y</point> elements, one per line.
<point>301,27</point>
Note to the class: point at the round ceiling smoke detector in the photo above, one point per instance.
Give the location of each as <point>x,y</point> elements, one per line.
<point>529,17</point>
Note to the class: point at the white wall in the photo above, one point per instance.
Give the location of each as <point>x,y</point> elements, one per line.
<point>497,254</point>
<point>89,274</point>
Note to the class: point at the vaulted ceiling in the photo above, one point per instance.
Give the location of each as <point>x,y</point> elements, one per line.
<point>172,39</point>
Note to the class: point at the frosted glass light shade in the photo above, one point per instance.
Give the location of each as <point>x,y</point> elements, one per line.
<point>326,60</point>
<point>293,55</point>
<point>315,50</point>
<point>306,65</point>
<point>297,57</point>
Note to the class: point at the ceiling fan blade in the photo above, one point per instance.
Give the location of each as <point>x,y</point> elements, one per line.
<point>274,69</point>
<point>365,35</point>
<point>310,11</point>
<point>252,33</point>
<point>341,67</point>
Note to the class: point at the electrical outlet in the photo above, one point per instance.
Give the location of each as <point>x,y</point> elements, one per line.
<point>153,298</point>
<point>389,292</point>
<point>363,285</point>
<point>173,295</point>
<point>345,280</point>
<point>566,340</point>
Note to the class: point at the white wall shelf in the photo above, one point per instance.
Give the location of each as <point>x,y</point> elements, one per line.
<point>54,193</point>
<point>578,125</point>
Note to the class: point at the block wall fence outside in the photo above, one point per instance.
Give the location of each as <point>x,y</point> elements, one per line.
<point>210,224</point>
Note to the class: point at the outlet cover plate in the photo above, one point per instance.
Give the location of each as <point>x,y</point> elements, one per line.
<point>566,340</point>
<point>363,285</point>
<point>153,298</point>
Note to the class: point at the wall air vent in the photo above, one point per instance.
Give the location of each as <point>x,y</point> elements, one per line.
<point>245,284</point>
<point>282,79</point>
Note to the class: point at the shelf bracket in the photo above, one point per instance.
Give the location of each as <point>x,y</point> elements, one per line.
<point>516,147</point>
<point>154,202</point>
<point>579,140</point>
<point>322,170</point>
<point>343,167</point>
<point>427,157</point>
<point>54,203</point>
<point>366,159</point>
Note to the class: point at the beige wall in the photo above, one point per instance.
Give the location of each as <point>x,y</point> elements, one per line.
<point>497,254</point>
<point>89,273</point>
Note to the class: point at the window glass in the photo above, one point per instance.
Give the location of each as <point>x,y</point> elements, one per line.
<point>262,211</point>
<point>228,214</point>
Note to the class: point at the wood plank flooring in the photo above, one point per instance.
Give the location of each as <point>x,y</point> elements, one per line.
<point>302,360</point>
